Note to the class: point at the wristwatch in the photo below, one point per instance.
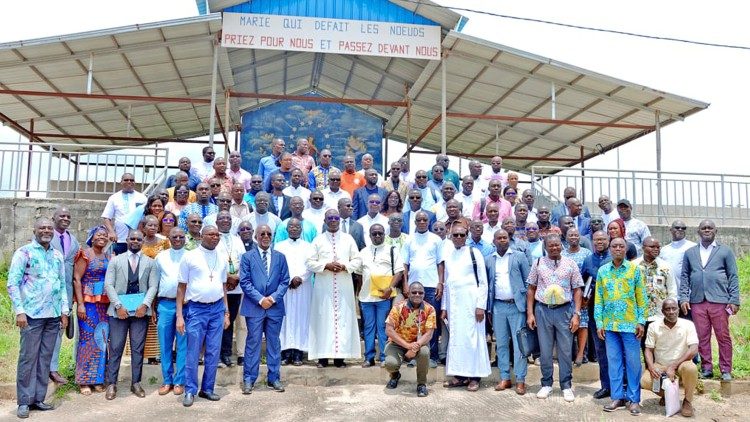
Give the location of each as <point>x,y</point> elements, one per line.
<point>577,313</point>
<point>118,306</point>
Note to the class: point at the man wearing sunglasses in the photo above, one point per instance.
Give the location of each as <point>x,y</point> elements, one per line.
<point>674,252</point>
<point>333,327</point>
<point>373,215</point>
<point>119,205</point>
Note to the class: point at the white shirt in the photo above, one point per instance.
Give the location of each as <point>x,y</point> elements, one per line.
<point>300,191</point>
<point>203,169</point>
<point>168,265</point>
<point>315,216</point>
<point>468,201</point>
<point>609,217</point>
<point>256,219</point>
<point>368,221</point>
<point>706,252</point>
<point>488,234</point>
<point>205,273</point>
<point>423,252</point>
<point>503,290</point>
<point>674,253</point>
<point>331,199</point>
<point>412,223</point>
<point>119,205</point>
<point>532,218</point>
<point>231,249</point>
<point>408,178</point>
<point>376,260</point>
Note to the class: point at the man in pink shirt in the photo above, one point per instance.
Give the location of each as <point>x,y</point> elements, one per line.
<point>494,197</point>
<point>301,158</point>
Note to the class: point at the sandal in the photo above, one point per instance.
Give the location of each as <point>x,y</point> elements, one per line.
<point>85,390</point>
<point>455,382</point>
<point>99,388</point>
<point>473,386</point>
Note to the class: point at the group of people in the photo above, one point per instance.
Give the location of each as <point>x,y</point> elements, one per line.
<point>311,257</point>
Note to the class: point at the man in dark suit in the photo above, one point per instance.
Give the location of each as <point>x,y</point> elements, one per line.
<point>410,211</point>
<point>361,195</point>
<point>64,241</point>
<point>129,273</point>
<point>279,204</point>
<point>710,290</point>
<point>348,224</point>
<point>264,279</point>
<point>507,271</point>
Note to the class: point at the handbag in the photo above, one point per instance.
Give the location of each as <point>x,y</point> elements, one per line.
<point>70,330</point>
<point>528,343</point>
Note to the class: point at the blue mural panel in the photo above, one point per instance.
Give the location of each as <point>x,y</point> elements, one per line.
<point>340,128</point>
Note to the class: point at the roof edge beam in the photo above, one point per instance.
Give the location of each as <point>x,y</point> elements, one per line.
<point>354,101</point>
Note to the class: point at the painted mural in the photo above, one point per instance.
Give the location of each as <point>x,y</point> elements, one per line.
<point>340,128</point>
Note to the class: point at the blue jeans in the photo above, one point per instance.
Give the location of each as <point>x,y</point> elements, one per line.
<point>204,325</point>
<point>256,327</point>
<point>553,329</point>
<point>374,315</point>
<point>429,297</point>
<point>601,351</point>
<point>506,320</point>
<point>623,349</point>
<point>167,333</point>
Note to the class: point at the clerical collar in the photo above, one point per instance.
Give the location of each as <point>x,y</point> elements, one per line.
<point>294,240</point>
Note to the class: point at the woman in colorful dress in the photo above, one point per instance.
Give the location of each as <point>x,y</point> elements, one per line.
<point>93,324</point>
<point>153,243</point>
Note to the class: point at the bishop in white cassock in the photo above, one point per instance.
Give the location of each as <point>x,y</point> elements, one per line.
<point>333,318</point>
<point>464,301</point>
<point>295,327</point>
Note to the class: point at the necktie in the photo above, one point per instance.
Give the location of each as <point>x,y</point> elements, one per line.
<point>62,244</point>
<point>203,210</point>
<point>345,228</point>
<point>133,262</point>
<point>265,261</point>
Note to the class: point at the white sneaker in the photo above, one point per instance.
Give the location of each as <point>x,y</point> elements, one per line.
<point>568,395</point>
<point>544,393</point>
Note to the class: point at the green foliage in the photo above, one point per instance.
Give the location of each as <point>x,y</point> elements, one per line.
<point>715,396</point>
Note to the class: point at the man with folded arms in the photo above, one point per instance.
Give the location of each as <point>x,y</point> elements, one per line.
<point>131,273</point>
<point>671,343</point>
<point>409,327</point>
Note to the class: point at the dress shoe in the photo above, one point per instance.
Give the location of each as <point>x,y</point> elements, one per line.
<point>339,363</point>
<point>662,402</point>
<point>635,409</point>
<point>188,400</point>
<point>687,409</point>
<point>227,361</point>
<point>111,392</point>
<point>502,385</point>
<point>247,388</point>
<point>165,389</point>
<point>298,363</point>
<point>421,390</point>
<point>393,382</point>
<point>23,411</point>
<point>322,363</point>
<point>57,378</point>
<point>240,360</point>
<point>707,374</point>
<point>178,389</point>
<point>40,405</point>
<point>368,363</point>
<point>520,389</point>
<point>601,393</point>
<point>209,395</point>
<point>614,405</point>
<point>276,386</point>
<point>138,390</point>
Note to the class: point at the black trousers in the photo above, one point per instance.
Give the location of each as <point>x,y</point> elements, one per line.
<point>118,332</point>
<point>233,301</point>
<point>32,374</point>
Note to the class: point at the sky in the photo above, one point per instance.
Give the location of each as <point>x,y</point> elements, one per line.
<point>712,141</point>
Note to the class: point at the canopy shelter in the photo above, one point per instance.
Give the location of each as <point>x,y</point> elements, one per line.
<point>154,82</point>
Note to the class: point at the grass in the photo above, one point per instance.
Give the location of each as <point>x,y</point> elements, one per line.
<point>740,326</point>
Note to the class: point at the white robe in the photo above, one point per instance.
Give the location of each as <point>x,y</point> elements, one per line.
<point>333,319</point>
<point>295,327</point>
<point>467,346</point>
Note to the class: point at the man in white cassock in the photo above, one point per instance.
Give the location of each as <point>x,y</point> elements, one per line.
<point>464,302</point>
<point>333,318</point>
<point>294,328</point>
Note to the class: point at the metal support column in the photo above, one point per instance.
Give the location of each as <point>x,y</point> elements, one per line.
<point>659,206</point>
<point>28,160</point>
<point>443,105</point>
<point>583,177</point>
<point>90,78</point>
<point>226,123</point>
<point>211,117</point>
<point>408,121</point>
<point>554,100</point>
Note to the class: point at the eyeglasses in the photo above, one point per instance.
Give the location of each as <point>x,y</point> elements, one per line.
<point>417,293</point>
<point>199,222</point>
<point>680,227</point>
<point>245,229</point>
<point>374,202</point>
<point>177,237</point>
<point>510,194</point>
<point>459,235</point>
<point>334,179</point>
<point>316,199</point>
<point>420,219</point>
<point>215,185</point>
<point>139,239</point>
<point>396,219</point>
<point>415,197</point>
<point>128,180</point>
<point>167,220</point>
<point>264,234</point>
<point>333,218</point>
<point>377,233</point>
<point>256,181</point>
<point>532,229</point>
<point>421,177</point>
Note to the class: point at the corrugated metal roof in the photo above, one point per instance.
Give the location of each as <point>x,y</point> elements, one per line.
<point>174,58</point>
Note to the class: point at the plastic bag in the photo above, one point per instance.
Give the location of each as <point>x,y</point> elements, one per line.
<point>671,396</point>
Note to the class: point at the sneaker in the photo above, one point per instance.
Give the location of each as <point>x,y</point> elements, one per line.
<point>412,363</point>
<point>726,376</point>
<point>433,364</point>
<point>422,390</point>
<point>544,392</point>
<point>568,395</point>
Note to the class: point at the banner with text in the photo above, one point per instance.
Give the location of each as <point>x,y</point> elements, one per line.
<point>339,36</point>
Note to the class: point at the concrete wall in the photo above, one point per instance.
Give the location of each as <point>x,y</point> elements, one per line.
<point>738,238</point>
<point>17,216</point>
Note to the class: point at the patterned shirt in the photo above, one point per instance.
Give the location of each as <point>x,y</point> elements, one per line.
<point>410,324</point>
<point>578,257</point>
<point>660,284</point>
<point>554,280</point>
<point>620,298</point>
<point>196,208</point>
<point>36,281</point>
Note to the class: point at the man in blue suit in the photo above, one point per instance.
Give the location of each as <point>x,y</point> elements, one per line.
<point>507,271</point>
<point>413,206</point>
<point>264,279</point>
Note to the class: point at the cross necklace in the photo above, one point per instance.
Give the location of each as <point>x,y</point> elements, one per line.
<point>211,268</point>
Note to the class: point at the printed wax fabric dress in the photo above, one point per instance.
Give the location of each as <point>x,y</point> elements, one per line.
<point>151,351</point>
<point>91,354</point>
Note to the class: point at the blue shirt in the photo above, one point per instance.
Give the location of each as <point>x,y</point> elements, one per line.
<point>482,246</point>
<point>36,281</point>
<point>267,165</point>
<point>192,184</point>
<point>196,208</point>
